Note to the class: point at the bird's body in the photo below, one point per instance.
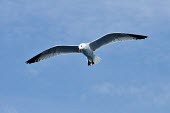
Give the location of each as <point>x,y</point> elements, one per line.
<point>88,53</point>
<point>86,48</point>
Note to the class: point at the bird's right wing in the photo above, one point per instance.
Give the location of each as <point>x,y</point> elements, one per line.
<point>52,52</point>
<point>114,37</point>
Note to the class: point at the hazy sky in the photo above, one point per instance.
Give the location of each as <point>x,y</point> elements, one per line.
<point>133,76</point>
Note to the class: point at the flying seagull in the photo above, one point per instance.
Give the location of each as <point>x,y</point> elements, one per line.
<point>86,48</point>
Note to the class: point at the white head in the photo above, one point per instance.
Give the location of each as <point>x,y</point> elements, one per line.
<point>82,46</point>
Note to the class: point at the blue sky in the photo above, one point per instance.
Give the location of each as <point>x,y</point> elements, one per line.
<point>133,76</point>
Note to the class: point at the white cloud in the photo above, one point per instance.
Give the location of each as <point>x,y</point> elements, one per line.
<point>157,95</point>
<point>7,109</point>
<point>31,72</point>
<point>114,90</point>
<point>78,19</point>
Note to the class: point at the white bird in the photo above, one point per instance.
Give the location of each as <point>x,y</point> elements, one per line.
<point>86,48</point>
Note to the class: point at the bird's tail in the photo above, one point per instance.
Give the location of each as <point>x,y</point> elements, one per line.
<point>96,59</point>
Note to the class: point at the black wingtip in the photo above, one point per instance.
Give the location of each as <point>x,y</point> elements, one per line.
<point>26,62</point>
<point>34,59</point>
<point>138,36</point>
<point>31,61</point>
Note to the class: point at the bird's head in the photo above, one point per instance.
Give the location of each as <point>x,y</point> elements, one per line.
<point>82,46</point>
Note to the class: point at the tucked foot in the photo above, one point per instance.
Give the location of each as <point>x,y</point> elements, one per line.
<point>92,62</point>
<point>89,63</point>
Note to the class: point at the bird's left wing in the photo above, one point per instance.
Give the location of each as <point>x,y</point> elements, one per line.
<point>52,52</point>
<point>114,37</point>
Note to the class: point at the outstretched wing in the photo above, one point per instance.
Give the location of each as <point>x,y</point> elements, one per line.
<point>114,37</point>
<point>52,52</point>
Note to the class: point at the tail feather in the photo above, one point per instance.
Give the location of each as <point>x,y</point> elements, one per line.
<point>96,59</point>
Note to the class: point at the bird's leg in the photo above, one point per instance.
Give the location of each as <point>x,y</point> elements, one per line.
<point>89,63</point>
<point>92,62</point>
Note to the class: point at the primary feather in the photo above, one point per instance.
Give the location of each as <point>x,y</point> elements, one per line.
<point>113,37</point>
<point>52,52</point>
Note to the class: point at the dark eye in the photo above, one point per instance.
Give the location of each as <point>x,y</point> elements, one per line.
<point>81,45</point>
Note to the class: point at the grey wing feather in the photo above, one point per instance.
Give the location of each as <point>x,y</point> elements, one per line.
<point>113,37</point>
<point>52,52</point>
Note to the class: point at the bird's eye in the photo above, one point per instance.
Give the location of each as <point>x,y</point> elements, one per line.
<point>81,45</point>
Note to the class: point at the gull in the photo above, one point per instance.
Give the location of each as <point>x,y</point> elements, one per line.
<point>85,48</point>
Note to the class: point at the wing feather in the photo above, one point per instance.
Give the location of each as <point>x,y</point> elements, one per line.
<point>53,52</point>
<point>114,37</point>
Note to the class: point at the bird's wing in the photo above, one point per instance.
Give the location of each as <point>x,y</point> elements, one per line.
<point>52,52</point>
<point>114,37</point>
